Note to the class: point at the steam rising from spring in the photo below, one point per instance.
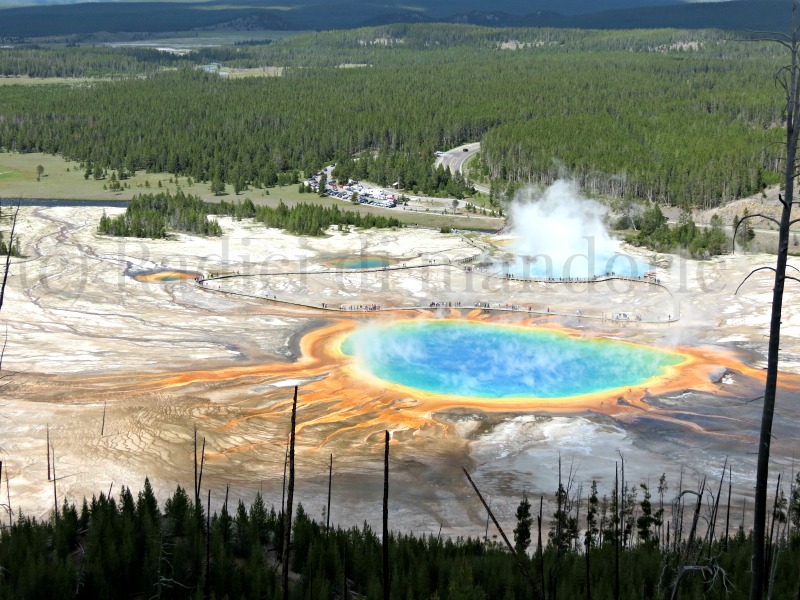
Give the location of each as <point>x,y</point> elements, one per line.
<point>560,234</point>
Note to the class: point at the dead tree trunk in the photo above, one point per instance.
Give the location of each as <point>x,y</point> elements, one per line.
<point>539,548</point>
<point>588,547</point>
<point>715,510</point>
<point>789,78</point>
<point>196,496</point>
<point>55,493</point>
<point>8,256</point>
<point>225,509</point>
<point>48,452</point>
<point>559,535</point>
<point>728,512</point>
<point>287,516</point>
<point>693,530</point>
<point>207,591</point>
<point>283,486</point>
<point>617,518</point>
<point>8,493</point>
<point>386,582</point>
<point>770,538</point>
<point>202,464</point>
<point>536,593</point>
<point>623,525</point>
<point>328,511</point>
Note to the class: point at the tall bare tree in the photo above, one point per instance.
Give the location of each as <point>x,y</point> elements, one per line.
<point>328,512</point>
<point>11,241</point>
<point>788,77</point>
<point>9,250</point>
<point>287,515</point>
<point>386,575</point>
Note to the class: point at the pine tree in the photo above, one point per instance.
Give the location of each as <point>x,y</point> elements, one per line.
<point>592,530</point>
<point>646,520</point>
<point>217,186</point>
<point>522,532</point>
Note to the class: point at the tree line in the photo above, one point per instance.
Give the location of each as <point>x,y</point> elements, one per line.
<point>304,218</point>
<point>633,543</point>
<point>155,215</point>
<point>77,61</point>
<point>650,229</point>
<point>6,249</point>
<point>403,44</point>
<point>636,117</point>
<point>387,45</point>
<point>152,215</point>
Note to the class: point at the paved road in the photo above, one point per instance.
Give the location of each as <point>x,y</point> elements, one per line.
<point>456,158</point>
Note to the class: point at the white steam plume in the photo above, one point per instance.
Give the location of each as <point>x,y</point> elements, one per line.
<point>559,233</point>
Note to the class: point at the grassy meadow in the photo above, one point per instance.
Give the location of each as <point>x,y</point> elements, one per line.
<point>64,179</point>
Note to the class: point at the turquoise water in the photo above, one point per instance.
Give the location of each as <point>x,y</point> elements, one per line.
<point>360,262</point>
<point>579,266</point>
<point>481,360</point>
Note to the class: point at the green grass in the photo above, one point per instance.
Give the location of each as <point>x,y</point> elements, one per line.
<point>8,175</point>
<point>64,180</point>
<point>49,80</point>
<point>290,196</point>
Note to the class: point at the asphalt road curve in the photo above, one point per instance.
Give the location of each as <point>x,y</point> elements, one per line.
<point>455,159</point>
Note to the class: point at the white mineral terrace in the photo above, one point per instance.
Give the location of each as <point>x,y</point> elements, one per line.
<point>84,337</point>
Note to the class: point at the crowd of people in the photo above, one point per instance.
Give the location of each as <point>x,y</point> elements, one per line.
<point>359,307</point>
<point>372,307</point>
<point>593,279</point>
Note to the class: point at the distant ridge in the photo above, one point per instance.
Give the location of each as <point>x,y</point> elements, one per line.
<point>86,18</point>
<point>435,9</point>
<point>740,14</point>
<point>156,17</point>
<point>256,22</point>
<point>487,19</point>
<point>406,16</point>
<point>734,15</point>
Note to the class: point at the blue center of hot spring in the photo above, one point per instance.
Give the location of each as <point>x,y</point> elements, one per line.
<point>465,358</point>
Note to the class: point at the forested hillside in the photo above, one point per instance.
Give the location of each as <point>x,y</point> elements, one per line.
<point>404,44</point>
<point>643,115</point>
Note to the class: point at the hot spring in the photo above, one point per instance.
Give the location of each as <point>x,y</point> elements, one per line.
<point>481,360</point>
<point>363,261</point>
<point>581,265</point>
<point>163,275</point>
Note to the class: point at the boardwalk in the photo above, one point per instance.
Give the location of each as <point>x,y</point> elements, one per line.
<point>621,316</point>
